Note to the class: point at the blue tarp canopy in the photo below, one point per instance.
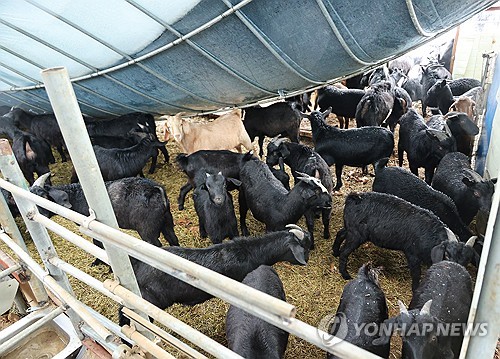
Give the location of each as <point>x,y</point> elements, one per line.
<point>202,55</point>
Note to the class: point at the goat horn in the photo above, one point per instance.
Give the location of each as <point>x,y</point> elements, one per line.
<point>471,241</point>
<point>274,139</point>
<point>40,181</point>
<point>302,174</point>
<point>475,176</point>
<point>297,233</point>
<point>426,309</point>
<point>402,308</point>
<point>293,226</point>
<point>451,235</point>
<point>279,141</point>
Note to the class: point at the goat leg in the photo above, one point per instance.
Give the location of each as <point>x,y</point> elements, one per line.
<point>182,195</point>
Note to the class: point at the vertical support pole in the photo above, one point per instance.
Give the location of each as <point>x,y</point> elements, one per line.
<point>12,173</point>
<point>63,100</point>
<point>485,307</point>
<point>9,226</point>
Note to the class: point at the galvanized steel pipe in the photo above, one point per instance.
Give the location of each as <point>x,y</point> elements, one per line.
<point>173,341</point>
<point>145,343</point>
<point>72,237</point>
<point>57,289</point>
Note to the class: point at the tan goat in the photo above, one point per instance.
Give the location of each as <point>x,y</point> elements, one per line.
<point>464,104</point>
<point>224,133</point>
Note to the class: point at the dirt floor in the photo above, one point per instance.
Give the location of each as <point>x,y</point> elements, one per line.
<point>314,289</point>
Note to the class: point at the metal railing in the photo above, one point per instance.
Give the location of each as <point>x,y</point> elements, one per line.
<point>119,246</point>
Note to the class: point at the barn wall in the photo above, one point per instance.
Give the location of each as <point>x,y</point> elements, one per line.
<point>476,36</point>
<point>492,123</point>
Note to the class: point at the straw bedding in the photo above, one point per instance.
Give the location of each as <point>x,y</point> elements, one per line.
<point>314,289</point>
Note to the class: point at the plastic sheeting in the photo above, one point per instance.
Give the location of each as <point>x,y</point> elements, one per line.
<point>28,27</point>
<point>255,51</point>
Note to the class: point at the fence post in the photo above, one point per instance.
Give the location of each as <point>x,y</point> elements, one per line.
<point>64,103</point>
<point>11,172</point>
<point>9,226</point>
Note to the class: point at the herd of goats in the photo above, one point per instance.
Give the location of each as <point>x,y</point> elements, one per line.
<point>428,220</point>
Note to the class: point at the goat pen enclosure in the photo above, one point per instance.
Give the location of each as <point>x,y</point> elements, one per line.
<point>314,289</point>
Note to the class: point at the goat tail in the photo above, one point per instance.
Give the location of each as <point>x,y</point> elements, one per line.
<point>369,273</point>
<point>380,164</point>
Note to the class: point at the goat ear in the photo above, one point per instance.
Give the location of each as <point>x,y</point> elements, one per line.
<point>437,253</point>
<point>435,134</point>
<point>298,252</point>
<point>234,181</point>
<point>60,197</point>
<point>30,154</point>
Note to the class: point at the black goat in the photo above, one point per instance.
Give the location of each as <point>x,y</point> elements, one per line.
<point>32,154</point>
<point>342,101</point>
<point>376,105</point>
<point>44,127</point>
<point>303,101</point>
<point>362,302</point>
<point>9,199</point>
<point>121,126</point>
<point>250,336</point>
<point>393,223</point>
<point>272,204</point>
<point>460,126</point>
<point>424,146</point>
<point>139,204</point>
<point>214,207</point>
<point>440,94</point>
<point>430,75</point>
<point>404,184</point>
<point>438,312</point>
<point>402,102</point>
<point>303,159</point>
<point>357,147</point>
<point>282,118</point>
<point>116,163</point>
<point>470,192</point>
<point>458,87</point>
<point>414,89</point>
<point>380,74</point>
<point>234,259</point>
<point>212,161</point>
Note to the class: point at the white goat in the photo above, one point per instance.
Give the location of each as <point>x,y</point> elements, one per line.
<point>224,133</point>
